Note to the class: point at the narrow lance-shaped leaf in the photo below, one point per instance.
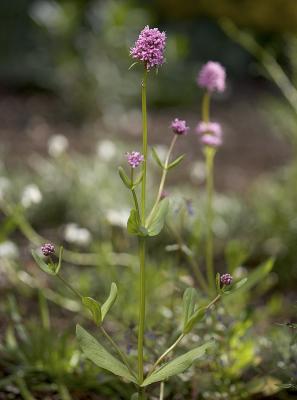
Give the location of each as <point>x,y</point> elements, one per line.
<point>195,318</point>
<point>48,268</point>
<point>94,307</point>
<point>176,162</point>
<point>218,282</point>
<point>157,159</point>
<point>127,182</point>
<point>189,302</point>
<point>178,365</point>
<point>60,260</point>
<point>95,352</point>
<point>158,219</point>
<point>110,300</point>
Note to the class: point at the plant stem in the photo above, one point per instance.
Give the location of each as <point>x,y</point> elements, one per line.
<point>163,178</point>
<point>209,154</point>
<point>142,241</point>
<point>69,286</point>
<point>162,386</point>
<point>172,347</point>
<point>144,144</point>
<point>118,350</point>
<point>205,107</point>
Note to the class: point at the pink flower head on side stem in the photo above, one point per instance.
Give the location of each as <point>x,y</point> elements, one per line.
<point>149,47</point>
<point>212,77</point>
<point>226,279</point>
<point>48,249</point>
<point>134,159</point>
<point>179,127</point>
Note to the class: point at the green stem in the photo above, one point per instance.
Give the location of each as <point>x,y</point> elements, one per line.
<point>205,107</point>
<point>142,291</point>
<point>117,349</point>
<point>161,358</point>
<point>162,386</point>
<point>142,241</point>
<point>163,178</point>
<point>209,154</point>
<point>144,144</point>
<point>69,286</point>
<point>134,194</point>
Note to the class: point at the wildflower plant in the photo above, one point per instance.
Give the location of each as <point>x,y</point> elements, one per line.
<point>147,220</point>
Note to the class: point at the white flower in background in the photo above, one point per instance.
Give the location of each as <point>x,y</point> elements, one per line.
<point>57,145</point>
<point>106,150</point>
<point>74,234</point>
<point>8,250</point>
<point>118,217</point>
<point>4,186</point>
<point>31,195</point>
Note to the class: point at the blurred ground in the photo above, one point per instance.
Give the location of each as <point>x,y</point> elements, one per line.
<point>251,147</point>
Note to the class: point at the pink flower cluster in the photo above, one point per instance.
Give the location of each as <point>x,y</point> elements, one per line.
<point>47,249</point>
<point>134,158</point>
<point>179,127</point>
<point>149,47</point>
<point>212,77</point>
<point>211,133</point>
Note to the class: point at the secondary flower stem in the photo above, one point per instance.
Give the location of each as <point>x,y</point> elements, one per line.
<point>163,178</point>
<point>117,349</point>
<point>70,287</point>
<point>209,158</point>
<point>209,154</point>
<point>142,240</point>
<point>162,386</point>
<point>172,347</point>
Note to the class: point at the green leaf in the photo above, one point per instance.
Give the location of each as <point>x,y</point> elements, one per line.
<point>48,268</point>
<point>133,222</point>
<point>178,365</point>
<point>127,182</point>
<point>189,302</point>
<point>176,162</point>
<point>158,219</point>
<point>196,317</point>
<point>110,300</point>
<point>95,352</point>
<point>218,282</point>
<point>157,159</point>
<point>132,65</point>
<point>94,307</point>
<point>60,260</point>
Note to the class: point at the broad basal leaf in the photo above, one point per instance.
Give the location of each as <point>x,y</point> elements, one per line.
<point>95,352</point>
<point>178,365</point>
<point>110,300</point>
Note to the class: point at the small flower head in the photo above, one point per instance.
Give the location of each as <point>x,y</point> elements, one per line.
<point>211,140</point>
<point>213,128</point>
<point>149,47</point>
<point>164,194</point>
<point>179,127</point>
<point>212,77</point>
<point>226,279</point>
<point>134,158</point>
<point>48,249</point>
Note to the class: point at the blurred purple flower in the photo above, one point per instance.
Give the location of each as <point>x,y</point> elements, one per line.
<point>226,279</point>
<point>212,77</point>
<point>211,140</point>
<point>134,158</point>
<point>149,47</point>
<point>179,127</point>
<point>210,128</point>
<point>48,249</point>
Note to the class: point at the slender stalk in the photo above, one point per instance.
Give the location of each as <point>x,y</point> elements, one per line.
<point>118,350</point>
<point>70,287</point>
<point>209,157</point>
<point>142,291</point>
<point>142,241</point>
<point>209,154</point>
<point>162,386</point>
<point>161,358</point>
<point>134,194</point>
<point>163,178</point>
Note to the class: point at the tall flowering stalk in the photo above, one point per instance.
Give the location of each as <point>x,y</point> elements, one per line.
<point>148,50</point>
<point>212,78</point>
